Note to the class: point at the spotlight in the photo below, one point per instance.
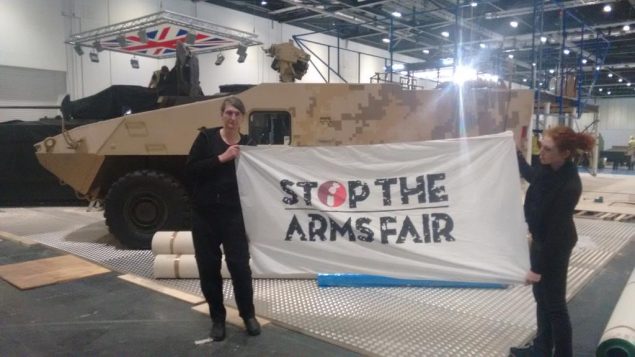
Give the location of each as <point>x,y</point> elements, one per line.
<point>543,39</point>
<point>513,24</point>
<point>584,61</point>
<point>607,8</point>
<point>566,51</point>
<point>190,38</point>
<point>143,36</point>
<point>121,40</point>
<point>219,59</point>
<point>78,49</point>
<point>97,45</point>
<point>134,62</point>
<point>445,34</point>
<point>94,57</point>
<point>242,53</point>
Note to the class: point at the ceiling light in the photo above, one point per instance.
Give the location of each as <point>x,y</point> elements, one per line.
<point>97,45</point>
<point>584,61</point>
<point>610,75</point>
<point>398,67</point>
<point>219,59</point>
<point>483,45</point>
<point>94,57</point>
<point>620,80</point>
<point>597,68</point>
<point>600,89</point>
<point>543,39</point>
<point>513,24</point>
<point>78,49</point>
<point>607,8</point>
<point>608,93</point>
<point>134,63</point>
<point>533,64</point>
<point>463,74</point>
<point>474,4</point>
<point>524,79</point>
<point>426,51</point>
<point>510,55</point>
<point>242,53</point>
<point>447,61</point>
<point>445,34</point>
<point>396,14</point>
<point>566,51</point>
<point>628,84</point>
<point>385,40</point>
<point>552,71</point>
<point>626,28</point>
<point>540,84</point>
<point>263,3</point>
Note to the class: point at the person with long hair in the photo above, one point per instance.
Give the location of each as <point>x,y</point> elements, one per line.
<point>553,193</point>
<point>217,217</point>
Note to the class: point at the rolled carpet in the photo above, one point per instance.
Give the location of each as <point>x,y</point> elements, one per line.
<point>618,339</point>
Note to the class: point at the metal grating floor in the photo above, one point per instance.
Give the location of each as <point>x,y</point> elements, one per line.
<point>376,321</point>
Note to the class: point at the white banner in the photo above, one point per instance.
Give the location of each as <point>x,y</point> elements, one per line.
<point>438,210</point>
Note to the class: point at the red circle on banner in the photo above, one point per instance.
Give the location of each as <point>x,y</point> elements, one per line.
<point>332,193</point>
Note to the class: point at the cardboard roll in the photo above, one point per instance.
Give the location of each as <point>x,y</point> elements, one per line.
<point>179,266</point>
<point>172,242</point>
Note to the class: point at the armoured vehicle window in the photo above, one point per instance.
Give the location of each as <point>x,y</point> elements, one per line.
<point>269,128</point>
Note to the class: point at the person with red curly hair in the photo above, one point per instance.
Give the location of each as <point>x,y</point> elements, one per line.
<point>553,193</point>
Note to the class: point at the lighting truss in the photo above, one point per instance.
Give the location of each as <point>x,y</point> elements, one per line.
<point>163,30</point>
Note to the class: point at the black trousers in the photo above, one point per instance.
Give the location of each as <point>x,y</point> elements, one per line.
<point>554,325</point>
<point>212,227</point>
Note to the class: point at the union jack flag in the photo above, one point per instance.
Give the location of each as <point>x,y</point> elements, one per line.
<point>162,40</point>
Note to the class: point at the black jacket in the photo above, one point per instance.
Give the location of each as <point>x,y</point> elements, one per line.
<point>549,205</point>
<point>212,183</point>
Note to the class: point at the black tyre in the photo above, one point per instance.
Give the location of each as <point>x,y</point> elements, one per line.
<point>143,202</point>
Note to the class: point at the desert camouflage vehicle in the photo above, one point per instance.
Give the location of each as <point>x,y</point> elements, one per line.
<point>135,163</point>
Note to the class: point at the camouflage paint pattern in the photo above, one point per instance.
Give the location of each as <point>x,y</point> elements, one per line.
<point>90,157</point>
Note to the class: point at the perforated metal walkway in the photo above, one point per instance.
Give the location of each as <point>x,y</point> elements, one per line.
<point>379,321</point>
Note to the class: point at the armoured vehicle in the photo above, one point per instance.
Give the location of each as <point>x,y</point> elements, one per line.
<point>135,163</point>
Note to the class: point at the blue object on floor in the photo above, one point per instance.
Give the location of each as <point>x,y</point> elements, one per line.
<point>366,280</point>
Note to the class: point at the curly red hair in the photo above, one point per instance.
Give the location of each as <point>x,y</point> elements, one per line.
<point>566,139</point>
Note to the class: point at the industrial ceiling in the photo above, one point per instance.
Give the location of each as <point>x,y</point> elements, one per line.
<point>590,39</point>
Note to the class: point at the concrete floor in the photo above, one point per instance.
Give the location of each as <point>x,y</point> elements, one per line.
<point>107,316</point>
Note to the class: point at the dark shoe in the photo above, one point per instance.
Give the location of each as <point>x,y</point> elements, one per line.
<point>253,326</point>
<point>218,331</point>
<point>524,351</point>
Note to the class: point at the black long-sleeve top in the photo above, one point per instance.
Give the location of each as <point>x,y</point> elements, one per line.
<point>213,183</point>
<point>549,205</point>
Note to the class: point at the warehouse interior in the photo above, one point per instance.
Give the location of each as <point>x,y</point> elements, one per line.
<point>577,58</point>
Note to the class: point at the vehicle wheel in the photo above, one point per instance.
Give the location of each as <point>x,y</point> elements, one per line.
<point>143,202</point>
